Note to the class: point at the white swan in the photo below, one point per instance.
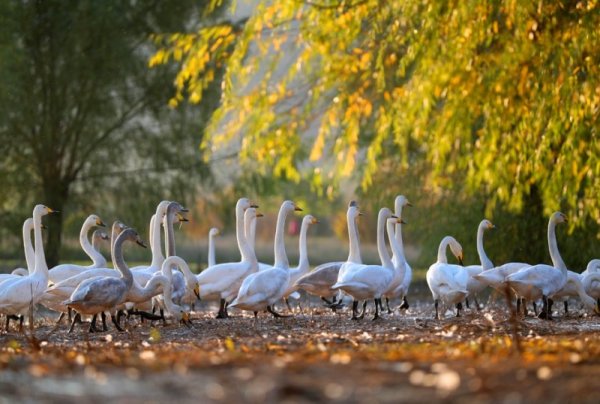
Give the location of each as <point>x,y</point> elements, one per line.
<point>542,281</point>
<point>98,236</point>
<point>303,264</point>
<point>18,294</point>
<point>475,285</point>
<point>29,254</point>
<point>212,233</point>
<point>64,271</point>
<point>574,288</point>
<point>222,281</point>
<point>260,290</point>
<point>319,281</point>
<point>365,282</point>
<point>404,271</point>
<point>591,279</point>
<point>448,282</point>
<point>155,244</point>
<point>97,295</point>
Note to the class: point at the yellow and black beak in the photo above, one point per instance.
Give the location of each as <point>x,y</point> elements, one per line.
<point>197,291</point>
<point>100,223</point>
<point>297,209</point>
<point>401,221</point>
<point>409,204</point>
<point>259,214</point>
<point>253,205</point>
<point>141,243</point>
<point>460,259</point>
<point>315,220</point>
<point>50,210</point>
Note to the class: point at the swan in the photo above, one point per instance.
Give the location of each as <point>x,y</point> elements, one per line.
<point>365,282</point>
<point>399,260</point>
<point>98,236</point>
<point>212,233</point>
<point>96,295</point>
<point>542,281</point>
<point>592,266</point>
<point>591,279</point>
<point>55,295</point>
<point>448,282</point>
<point>184,284</point>
<point>159,284</point>
<point>574,287</point>
<point>64,271</point>
<point>319,281</point>
<point>154,238</point>
<point>260,290</point>
<point>18,294</point>
<point>496,277</point>
<point>222,281</point>
<point>303,264</point>
<point>29,253</point>
<point>475,285</point>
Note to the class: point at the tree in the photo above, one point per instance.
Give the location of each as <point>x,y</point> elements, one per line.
<point>499,98</point>
<point>81,114</point>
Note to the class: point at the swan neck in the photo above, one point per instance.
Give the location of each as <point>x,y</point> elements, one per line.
<point>167,289</point>
<point>281,260</point>
<point>87,247</point>
<point>303,259</point>
<point>354,242</point>
<point>120,264</point>
<point>396,249</point>
<point>169,236</point>
<point>384,254</point>
<point>41,267</point>
<point>211,250</point>
<point>240,232</point>
<point>557,260</point>
<point>486,263</point>
<point>246,249</point>
<point>157,255</point>
<point>29,251</point>
<point>441,257</point>
<point>398,231</point>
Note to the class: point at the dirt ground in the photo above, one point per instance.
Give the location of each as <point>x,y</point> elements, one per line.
<point>314,356</point>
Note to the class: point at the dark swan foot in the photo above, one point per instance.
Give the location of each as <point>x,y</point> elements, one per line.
<point>275,314</point>
<point>404,305</point>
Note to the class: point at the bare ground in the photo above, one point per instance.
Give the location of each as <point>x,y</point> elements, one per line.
<point>314,356</point>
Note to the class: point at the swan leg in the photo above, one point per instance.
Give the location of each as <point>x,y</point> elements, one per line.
<point>354,310</point>
<point>387,303</point>
<point>7,323</point>
<point>546,313</point>
<point>70,313</point>
<point>364,310</point>
<point>518,305</point>
<point>435,304</point>
<point>327,302</point>
<point>10,317</point>
<point>467,302</point>
<point>275,314</point>
<point>256,314</point>
<point>535,310</point>
<point>103,318</point>
<point>566,304</point>
<point>477,304</point>
<point>404,305</point>
<point>21,318</point>
<point>93,324</point>
<point>223,309</point>
<point>76,319</point>
<point>458,309</point>
<point>115,319</point>
<point>287,303</point>
<point>378,304</point>
<point>62,315</point>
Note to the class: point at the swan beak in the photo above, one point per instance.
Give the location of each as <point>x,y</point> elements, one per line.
<point>182,218</point>
<point>460,259</point>
<point>197,291</point>
<point>297,209</point>
<point>401,221</point>
<point>100,223</point>
<point>141,243</point>
<point>492,226</point>
<point>409,204</point>
<point>259,215</point>
<point>52,210</point>
<point>184,210</point>
<point>44,227</point>
<point>314,220</point>
<point>253,205</point>
<point>394,217</point>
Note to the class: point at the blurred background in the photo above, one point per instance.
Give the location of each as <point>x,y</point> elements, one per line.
<point>471,109</point>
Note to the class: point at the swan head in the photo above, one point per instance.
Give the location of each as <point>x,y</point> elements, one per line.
<point>100,235</point>
<point>310,219</point>
<point>456,249</point>
<point>94,220</point>
<point>289,206</point>
<point>245,203</point>
<point>486,224</point>
<point>400,202</point>
<point>132,235</point>
<point>593,265</point>
<point>559,217</point>
<point>386,213</point>
<point>42,210</point>
<point>214,231</point>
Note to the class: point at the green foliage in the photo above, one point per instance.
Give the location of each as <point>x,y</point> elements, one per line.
<point>496,96</point>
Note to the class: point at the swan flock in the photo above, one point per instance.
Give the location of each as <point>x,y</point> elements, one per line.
<point>166,289</point>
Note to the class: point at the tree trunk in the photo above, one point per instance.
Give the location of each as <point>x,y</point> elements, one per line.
<point>56,195</point>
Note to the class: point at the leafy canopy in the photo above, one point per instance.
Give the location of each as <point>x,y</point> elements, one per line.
<point>503,94</point>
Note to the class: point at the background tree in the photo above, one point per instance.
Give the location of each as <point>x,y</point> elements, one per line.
<point>84,125</point>
<point>500,99</point>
